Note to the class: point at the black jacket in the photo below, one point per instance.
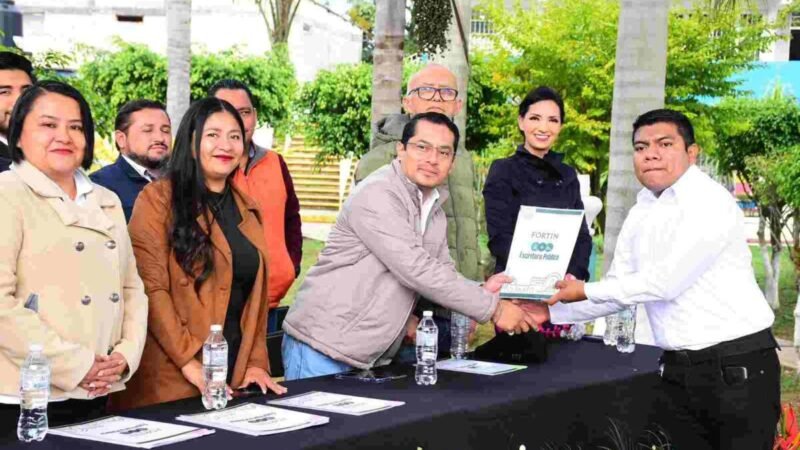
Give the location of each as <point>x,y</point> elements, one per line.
<point>124,180</point>
<point>524,179</point>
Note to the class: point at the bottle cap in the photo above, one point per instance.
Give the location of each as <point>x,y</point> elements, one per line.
<point>427,314</point>
<point>35,348</point>
<point>216,327</point>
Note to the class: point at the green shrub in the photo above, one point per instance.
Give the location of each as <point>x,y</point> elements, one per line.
<point>132,71</point>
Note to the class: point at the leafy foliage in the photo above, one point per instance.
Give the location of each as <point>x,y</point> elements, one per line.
<point>570,46</point>
<point>111,78</point>
<point>336,110</point>
<point>430,20</point>
<point>362,15</point>
<point>270,77</point>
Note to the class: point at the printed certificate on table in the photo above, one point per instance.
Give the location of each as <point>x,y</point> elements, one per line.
<point>131,432</point>
<point>255,420</point>
<point>540,251</point>
<point>337,403</point>
<point>477,367</point>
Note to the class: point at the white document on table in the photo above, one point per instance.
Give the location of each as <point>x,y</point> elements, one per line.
<point>540,251</point>
<point>255,420</point>
<point>477,367</point>
<point>337,403</point>
<point>131,432</point>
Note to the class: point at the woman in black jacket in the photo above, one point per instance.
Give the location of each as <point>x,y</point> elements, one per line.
<point>534,176</point>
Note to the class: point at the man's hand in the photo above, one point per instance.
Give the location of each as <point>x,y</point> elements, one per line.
<point>511,318</point>
<point>539,312</point>
<point>568,291</point>
<point>411,329</point>
<point>495,282</point>
<point>473,326</point>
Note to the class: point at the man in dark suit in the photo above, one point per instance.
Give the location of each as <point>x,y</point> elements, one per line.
<point>143,135</point>
<point>16,75</point>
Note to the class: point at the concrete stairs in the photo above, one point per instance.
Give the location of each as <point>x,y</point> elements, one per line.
<point>321,188</point>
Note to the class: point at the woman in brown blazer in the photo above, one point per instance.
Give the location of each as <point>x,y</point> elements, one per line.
<point>200,251</point>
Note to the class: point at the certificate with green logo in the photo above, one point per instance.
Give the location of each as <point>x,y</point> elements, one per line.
<point>540,251</point>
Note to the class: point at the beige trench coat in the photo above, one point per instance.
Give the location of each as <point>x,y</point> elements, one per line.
<point>80,264</point>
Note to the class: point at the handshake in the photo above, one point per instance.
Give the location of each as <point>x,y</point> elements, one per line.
<point>520,316</point>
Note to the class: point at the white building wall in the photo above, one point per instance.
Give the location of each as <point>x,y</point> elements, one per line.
<point>319,39</point>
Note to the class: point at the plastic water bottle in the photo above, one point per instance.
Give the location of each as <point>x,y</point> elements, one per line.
<point>34,393</point>
<point>215,369</point>
<point>576,331</point>
<point>612,329</point>
<point>627,320</point>
<point>427,349</point>
<point>459,333</point>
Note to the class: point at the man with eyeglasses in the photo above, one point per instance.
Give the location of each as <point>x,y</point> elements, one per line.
<point>434,89</point>
<point>391,236</point>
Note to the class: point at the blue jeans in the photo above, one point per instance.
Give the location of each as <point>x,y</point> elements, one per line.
<point>302,361</point>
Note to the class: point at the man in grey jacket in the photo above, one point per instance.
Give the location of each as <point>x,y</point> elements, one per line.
<point>388,247</point>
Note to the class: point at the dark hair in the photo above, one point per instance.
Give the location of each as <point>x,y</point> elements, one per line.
<point>681,122</point>
<point>123,120</point>
<point>25,104</point>
<point>410,130</point>
<point>540,94</point>
<point>190,198</point>
<point>234,85</point>
<point>14,61</point>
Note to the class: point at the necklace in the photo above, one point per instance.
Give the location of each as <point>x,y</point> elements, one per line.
<point>216,203</point>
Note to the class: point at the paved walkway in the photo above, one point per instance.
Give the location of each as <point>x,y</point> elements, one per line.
<point>788,354</point>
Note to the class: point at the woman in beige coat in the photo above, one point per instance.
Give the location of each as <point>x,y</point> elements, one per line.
<point>68,277</point>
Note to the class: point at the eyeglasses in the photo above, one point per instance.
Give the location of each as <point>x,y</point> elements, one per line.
<point>428,93</point>
<point>425,149</point>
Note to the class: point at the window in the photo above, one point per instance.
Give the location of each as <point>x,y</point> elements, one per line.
<point>481,26</point>
<point>794,43</point>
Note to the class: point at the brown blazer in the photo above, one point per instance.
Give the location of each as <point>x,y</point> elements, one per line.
<point>179,318</point>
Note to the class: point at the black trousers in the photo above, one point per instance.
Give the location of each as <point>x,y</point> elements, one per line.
<point>727,402</point>
<point>58,413</point>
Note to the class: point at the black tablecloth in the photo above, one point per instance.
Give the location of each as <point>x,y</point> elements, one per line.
<point>569,400</point>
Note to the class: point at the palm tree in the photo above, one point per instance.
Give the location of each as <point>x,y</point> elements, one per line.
<point>639,78</point>
<point>456,58</point>
<point>387,68</point>
<point>179,38</point>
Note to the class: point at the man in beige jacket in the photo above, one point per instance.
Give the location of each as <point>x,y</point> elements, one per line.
<point>388,247</point>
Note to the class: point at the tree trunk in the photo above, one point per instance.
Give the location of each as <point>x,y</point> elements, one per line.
<point>179,58</point>
<point>387,68</point>
<point>770,255</point>
<point>794,252</point>
<point>455,57</point>
<point>777,224</point>
<point>639,78</point>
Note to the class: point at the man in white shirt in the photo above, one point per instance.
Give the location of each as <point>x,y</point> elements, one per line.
<point>143,135</point>
<point>682,253</point>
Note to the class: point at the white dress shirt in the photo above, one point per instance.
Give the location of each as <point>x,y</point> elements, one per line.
<point>426,206</point>
<point>140,169</point>
<point>83,186</point>
<point>684,255</point>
